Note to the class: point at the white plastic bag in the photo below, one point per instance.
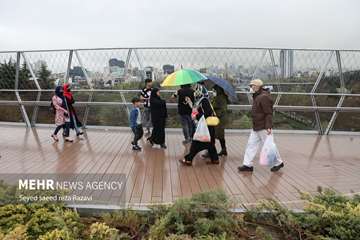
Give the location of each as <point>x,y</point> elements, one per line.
<point>268,152</point>
<point>202,133</point>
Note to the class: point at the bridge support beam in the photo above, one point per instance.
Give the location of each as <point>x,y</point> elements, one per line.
<point>342,98</point>
<point>18,97</point>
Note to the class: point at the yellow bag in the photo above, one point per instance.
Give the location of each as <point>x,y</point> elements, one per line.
<point>212,121</point>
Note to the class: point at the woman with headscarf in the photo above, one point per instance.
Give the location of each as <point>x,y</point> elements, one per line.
<point>74,120</point>
<point>158,118</point>
<point>61,114</point>
<point>203,108</point>
<point>220,103</point>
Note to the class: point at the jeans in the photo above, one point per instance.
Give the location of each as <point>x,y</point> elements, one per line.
<point>138,134</point>
<point>256,140</point>
<point>188,126</point>
<point>65,126</point>
<point>147,118</point>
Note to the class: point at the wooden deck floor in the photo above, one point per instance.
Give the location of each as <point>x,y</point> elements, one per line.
<point>155,176</point>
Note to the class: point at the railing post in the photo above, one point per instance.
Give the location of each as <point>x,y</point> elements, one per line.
<point>66,77</point>
<point>342,98</point>
<point>38,97</point>
<point>313,90</point>
<point>90,84</point>
<point>18,97</point>
<point>277,79</point>
<point>140,64</point>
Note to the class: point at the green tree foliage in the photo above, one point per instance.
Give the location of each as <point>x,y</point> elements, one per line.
<point>44,77</point>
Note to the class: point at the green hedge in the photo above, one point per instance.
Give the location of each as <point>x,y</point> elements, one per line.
<point>205,216</point>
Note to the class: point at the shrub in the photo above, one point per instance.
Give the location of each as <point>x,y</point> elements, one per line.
<point>42,222</point>
<point>57,235</point>
<point>129,222</point>
<point>101,231</point>
<point>12,215</point>
<point>18,233</point>
<point>203,214</point>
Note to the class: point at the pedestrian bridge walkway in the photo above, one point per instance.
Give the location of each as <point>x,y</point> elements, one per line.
<point>155,175</point>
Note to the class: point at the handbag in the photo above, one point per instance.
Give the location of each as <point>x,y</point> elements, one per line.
<point>212,120</point>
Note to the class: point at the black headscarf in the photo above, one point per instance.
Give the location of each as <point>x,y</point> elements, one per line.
<point>157,105</point>
<point>59,92</point>
<point>154,95</point>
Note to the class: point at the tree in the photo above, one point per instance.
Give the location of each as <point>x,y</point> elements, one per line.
<point>44,77</point>
<point>7,74</point>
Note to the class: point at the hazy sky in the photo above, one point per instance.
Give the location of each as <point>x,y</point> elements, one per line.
<point>57,24</point>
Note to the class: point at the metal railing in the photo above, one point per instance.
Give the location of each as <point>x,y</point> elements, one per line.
<point>307,73</point>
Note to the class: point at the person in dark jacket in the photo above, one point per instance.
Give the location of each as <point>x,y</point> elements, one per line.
<point>185,97</point>
<point>220,104</point>
<point>262,111</point>
<point>203,108</point>
<point>69,101</point>
<point>158,118</point>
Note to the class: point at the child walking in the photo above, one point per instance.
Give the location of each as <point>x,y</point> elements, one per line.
<point>135,123</point>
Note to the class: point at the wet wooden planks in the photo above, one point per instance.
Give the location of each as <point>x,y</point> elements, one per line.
<point>155,176</point>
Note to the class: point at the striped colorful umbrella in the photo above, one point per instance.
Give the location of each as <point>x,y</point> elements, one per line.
<point>183,76</point>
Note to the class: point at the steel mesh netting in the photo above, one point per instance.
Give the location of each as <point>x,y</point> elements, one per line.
<point>351,73</point>
<point>108,69</point>
<point>7,81</point>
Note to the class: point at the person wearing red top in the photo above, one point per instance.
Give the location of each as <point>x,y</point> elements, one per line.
<point>69,101</point>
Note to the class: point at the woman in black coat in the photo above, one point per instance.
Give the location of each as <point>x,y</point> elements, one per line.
<point>158,118</point>
<point>204,108</point>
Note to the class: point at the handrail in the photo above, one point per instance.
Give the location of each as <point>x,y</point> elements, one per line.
<point>171,91</point>
<point>174,105</point>
<point>176,47</point>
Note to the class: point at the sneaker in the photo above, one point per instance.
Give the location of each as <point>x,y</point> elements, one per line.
<point>277,168</point>
<point>56,139</point>
<point>163,146</point>
<point>245,168</point>
<point>68,140</point>
<point>186,141</point>
<point>136,148</point>
<point>79,133</point>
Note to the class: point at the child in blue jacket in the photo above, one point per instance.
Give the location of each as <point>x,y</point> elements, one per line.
<point>135,123</point>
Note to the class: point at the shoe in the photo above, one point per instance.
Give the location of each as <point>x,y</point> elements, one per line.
<point>186,141</point>
<point>136,148</point>
<point>79,133</point>
<point>223,152</point>
<point>184,162</point>
<point>213,162</point>
<point>245,168</point>
<point>150,141</point>
<point>277,168</point>
<point>56,139</point>
<point>163,146</point>
<point>68,140</point>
